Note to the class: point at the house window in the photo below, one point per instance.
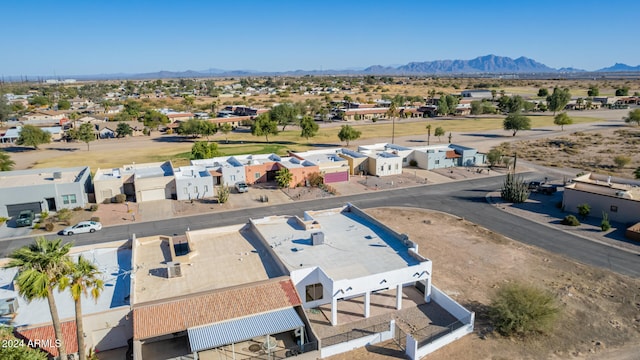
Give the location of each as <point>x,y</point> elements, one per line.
<point>404,160</point>
<point>257,175</point>
<point>206,188</point>
<point>389,167</point>
<point>186,191</point>
<point>382,168</point>
<point>396,166</point>
<point>233,178</point>
<point>314,292</point>
<point>195,189</point>
<point>69,199</point>
<point>437,162</point>
<point>614,208</point>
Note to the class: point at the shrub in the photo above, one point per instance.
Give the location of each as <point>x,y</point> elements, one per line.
<point>36,226</point>
<point>3,220</point>
<point>120,198</point>
<point>106,201</point>
<point>518,309</point>
<point>94,207</point>
<point>315,179</point>
<point>621,161</point>
<point>44,215</point>
<point>63,215</point>
<point>223,193</point>
<point>584,210</point>
<point>48,226</point>
<point>95,218</point>
<point>605,225</point>
<point>78,208</point>
<point>570,220</point>
<point>413,163</point>
<point>514,189</point>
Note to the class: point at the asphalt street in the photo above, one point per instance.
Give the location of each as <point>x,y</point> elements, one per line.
<point>465,199</point>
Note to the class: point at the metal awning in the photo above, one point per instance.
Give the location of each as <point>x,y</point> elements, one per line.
<point>237,330</point>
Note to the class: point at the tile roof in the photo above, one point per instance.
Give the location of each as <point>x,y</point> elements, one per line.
<point>178,314</point>
<point>46,335</point>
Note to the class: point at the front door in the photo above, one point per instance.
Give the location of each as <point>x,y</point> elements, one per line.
<point>51,204</point>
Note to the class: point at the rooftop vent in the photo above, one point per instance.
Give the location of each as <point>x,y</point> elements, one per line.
<point>8,306</point>
<point>317,238</point>
<point>173,269</point>
<point>57,175</point>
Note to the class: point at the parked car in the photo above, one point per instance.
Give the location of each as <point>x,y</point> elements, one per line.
<point>82,227</point>
<point>533,185</point>
<point>25,218</point>
<point>242,187</point>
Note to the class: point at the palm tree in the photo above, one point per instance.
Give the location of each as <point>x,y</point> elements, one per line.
<point>41,266</point>
<point>428,133</point>
<point>392,113</point>
<point>82,279</point>
<point>6,164</point>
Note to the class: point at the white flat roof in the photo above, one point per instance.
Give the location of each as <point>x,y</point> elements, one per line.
<point>354,246</point>
<point>39,176</point>
<point>115,265</point>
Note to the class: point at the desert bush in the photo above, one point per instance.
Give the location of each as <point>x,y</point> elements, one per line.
<point>120,198</point>
<point>44,215</point>
<point>49,226</point>
<point>93,207</point>
<point>36,226</point>
<point>78,208</point>
<point>621,161</point>
<point>570,220</point>
<point>413,163</point>
<point>95,218</point>
<point>106,201</point>
<point>63,215</point>
<point>3,220</point>
<point>584,210</point>
<point>605,225</point>
<point>223,193</point>
<point>518,309</point>
<point>315,179</point>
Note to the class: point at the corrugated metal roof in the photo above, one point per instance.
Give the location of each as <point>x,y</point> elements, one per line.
<point>233,331</point>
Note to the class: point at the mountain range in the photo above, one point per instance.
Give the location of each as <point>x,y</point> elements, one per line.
<point>488,64</point>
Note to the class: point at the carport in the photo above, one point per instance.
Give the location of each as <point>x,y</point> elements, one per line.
<point>15,209</point>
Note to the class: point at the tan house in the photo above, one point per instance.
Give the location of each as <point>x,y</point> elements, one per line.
<point>139,182</point>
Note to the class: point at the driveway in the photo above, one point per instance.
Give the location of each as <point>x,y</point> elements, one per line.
<point>9,229</point>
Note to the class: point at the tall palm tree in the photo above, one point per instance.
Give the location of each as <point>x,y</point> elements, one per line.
<point>82,280</point>
<point>41,266</point>
<point>392,113</point>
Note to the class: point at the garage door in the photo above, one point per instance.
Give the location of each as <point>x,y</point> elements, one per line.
<point>150,195</point>
<point>336,177</point>
<point>15,209</point>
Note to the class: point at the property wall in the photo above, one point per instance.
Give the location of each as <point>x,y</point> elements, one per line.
<point>628,210</point>
<point>108,330</point>
<point>358,343</point>
<point>194,188</point>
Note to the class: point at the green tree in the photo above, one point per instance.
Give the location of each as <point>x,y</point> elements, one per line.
<point>85,134</point>
<point>443,108</point>
<point>494,156</point>
<point>5,108</point>
<point>225,128</point>
<point>309,127</point>
<point>263,125</point>
<point>515,104</point>
<point>284,114</point>
<point>593,91</point>
<point>83,279</point>
<point>516,122</point>
<point>633,117</point>
<point>33,136</point>
<point>188,102</point>
<point>6,164</point>
<point>518,309</point>
<point>39,100</point>
<point>208,128</point>
<point>123,129</point>
<point>284,177</point>
<point>623,91</point>
<point>348,133</point>
<point>476,107</point>
<point>621,161</point>
<point>562,119</point>
<point>17,352</point>
<point>558,99</point>
<point>41,266</point>
<point>154,118</point>
<point>543,92</point>
<point>439,131</point>
<point>204,150</point>
<point>64,104</point>
<point>636,173</point>
<point>194,128</point>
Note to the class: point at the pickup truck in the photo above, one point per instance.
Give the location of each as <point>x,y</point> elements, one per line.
<point>25,218</point>
<point>543,188</point>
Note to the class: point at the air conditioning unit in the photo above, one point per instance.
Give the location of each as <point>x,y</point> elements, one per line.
<point>57,175</point>
<point>173,270</point>
<point>317,238</point>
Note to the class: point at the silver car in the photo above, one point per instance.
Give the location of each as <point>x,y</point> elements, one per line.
<point>82,227</point>
<point>242,187</point>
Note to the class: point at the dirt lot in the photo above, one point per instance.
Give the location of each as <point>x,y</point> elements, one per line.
<point>600,310</point>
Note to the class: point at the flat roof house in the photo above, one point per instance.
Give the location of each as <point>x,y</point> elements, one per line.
<point>448,155</point>
<point>193,182</point>
<point>331,166</point>
<point>43,189</point>
<point>225,169</point>
<point>106,320</point>
<point>140,182</point>
<point>618,198</point>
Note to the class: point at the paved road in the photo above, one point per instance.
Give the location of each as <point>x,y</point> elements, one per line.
<point>464,198</point>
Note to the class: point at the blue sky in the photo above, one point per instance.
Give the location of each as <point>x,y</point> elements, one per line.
<point>102,37</point>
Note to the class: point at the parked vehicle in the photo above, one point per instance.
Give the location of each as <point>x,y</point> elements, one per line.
<point>25,218</point>
<point>542,187</point>
<point>242,187</point>
<point>82,227</point>
<point>533,185</point>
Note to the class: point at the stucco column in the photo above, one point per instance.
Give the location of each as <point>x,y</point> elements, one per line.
<point>367,304</point>
<point>427,290</point>
<point>399,297</point>
<point>334,311</point>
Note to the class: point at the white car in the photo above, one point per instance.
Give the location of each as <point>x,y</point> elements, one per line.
<point>82,227</point>
<point>242,187</point>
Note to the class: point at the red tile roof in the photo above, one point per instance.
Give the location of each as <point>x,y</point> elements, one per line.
<point>178,314</point>
<point>45,335</point>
